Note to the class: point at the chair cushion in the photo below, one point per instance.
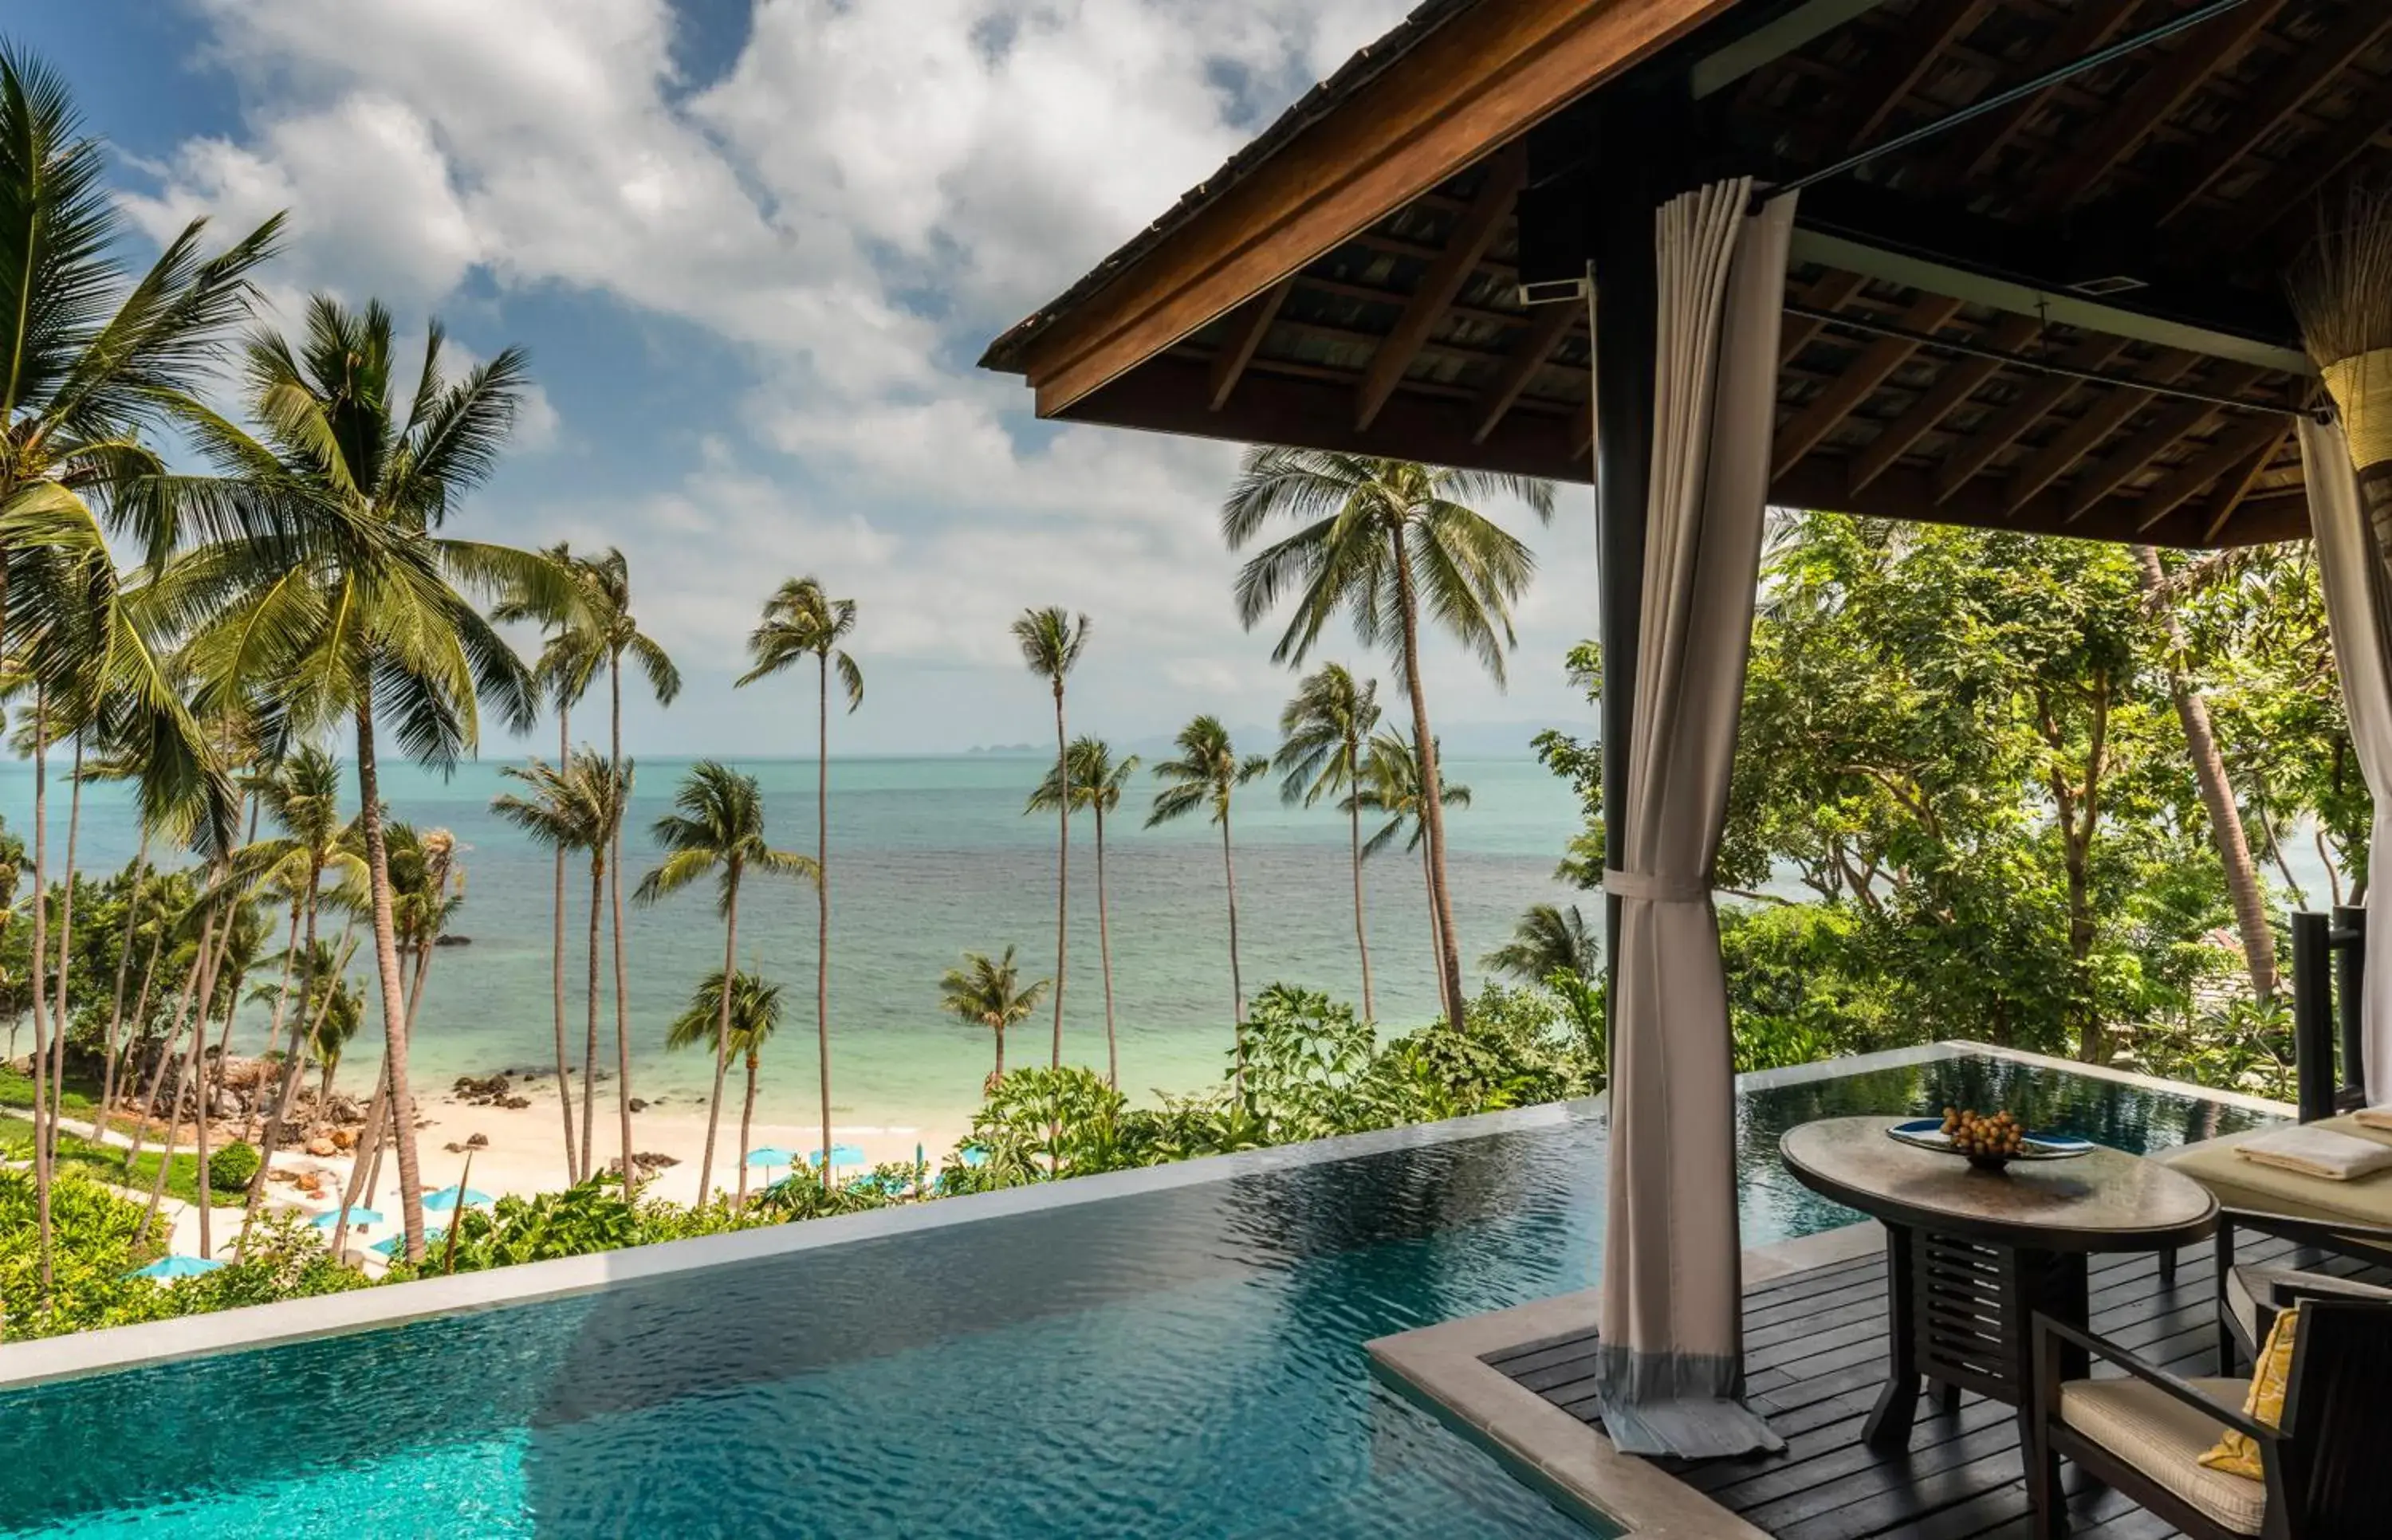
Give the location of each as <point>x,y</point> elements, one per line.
<point>2164,1438</point>
<point>2242,1184</point>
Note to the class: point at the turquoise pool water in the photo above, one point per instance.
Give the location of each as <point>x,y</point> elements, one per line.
<point>1181,1363</point>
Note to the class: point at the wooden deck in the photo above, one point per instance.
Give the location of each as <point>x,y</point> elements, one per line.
<point>1816,1352</point>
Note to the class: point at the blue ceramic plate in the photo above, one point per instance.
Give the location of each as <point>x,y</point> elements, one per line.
<point>1927,1134</point>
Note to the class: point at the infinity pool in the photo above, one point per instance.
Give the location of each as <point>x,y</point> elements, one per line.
<point>1181,1363</point>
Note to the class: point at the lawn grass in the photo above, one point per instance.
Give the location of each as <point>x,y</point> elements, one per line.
<point>101,1161</point>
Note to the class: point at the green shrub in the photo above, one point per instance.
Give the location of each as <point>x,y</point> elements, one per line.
<point>231,1168</point>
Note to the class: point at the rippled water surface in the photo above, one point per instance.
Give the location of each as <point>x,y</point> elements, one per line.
<point>1185,1363</point>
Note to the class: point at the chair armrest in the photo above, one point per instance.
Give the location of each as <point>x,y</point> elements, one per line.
<point>2048,1330</point>
<point>2316,1231</point>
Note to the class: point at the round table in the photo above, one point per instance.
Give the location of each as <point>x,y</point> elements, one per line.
<point>1972,1255</point>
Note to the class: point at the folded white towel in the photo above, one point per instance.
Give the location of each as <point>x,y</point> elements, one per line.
<point>2318,1152</point>
<point>2376,1116</point>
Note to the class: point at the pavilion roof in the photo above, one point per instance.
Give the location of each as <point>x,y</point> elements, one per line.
<point>1352,280</point>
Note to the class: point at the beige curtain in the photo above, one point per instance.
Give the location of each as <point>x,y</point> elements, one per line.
<point>2359,610</point>
<point>1672,1365</point>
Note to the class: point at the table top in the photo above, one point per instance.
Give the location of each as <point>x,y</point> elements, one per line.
<point>2106,1201</point>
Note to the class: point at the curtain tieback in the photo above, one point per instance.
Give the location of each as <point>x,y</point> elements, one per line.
<point>1652,888</point>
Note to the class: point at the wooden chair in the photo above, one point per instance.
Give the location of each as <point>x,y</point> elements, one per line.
<point>2248,1294</point>
<point>2328,1476</point>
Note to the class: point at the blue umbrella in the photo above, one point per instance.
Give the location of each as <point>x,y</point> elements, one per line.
<point>841,1155</point>
<point>390,1248</point>
<point>771,1155</point>
<point>175,1267</point>
<point>361,1216</point>
<point>450,1197</point>
<point>972,1155</point>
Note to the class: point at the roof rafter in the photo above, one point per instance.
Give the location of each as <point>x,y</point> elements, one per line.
<point>2226,499</point>
<point>1832,292</point>
<point>1246,325</point>
<point>2232,448</point>
<point>2314,163</point>
<point>1859,380</point>
<point>1443,281</point>
<point>1958,382</point>
<point>2086,28</point>
<point>2083,435</point>
<point>2034,404</point>
<point>1552,323</point>
<point>1902,60</point>
<point>2173,423</point>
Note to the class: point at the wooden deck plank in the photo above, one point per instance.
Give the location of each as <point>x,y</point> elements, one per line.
<point>1815,1360</point>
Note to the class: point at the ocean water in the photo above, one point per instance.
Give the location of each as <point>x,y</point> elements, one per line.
<point>929,858</point>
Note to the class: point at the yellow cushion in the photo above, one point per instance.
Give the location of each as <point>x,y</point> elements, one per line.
<point>2238,1453</point>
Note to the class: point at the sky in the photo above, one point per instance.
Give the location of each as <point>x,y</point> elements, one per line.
<point>754,251</point>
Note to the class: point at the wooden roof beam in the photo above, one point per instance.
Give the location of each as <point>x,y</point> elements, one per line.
<point>2151,101</point>
<point>1832,292</point>
<point>2231,448</point>
<point>1860,380</point>
<point>1552,323</point>
<point>1442,282</point>
<point>2303,78</point>
<point>2083,435</point>
<point>1902,61</point>
<point>1246,325</point>
<point>2034,402</point>
<point>2317,161</point>
<point>1958,381</point>
<point>2227,499</point>
<point>2175,422</point>
<point>2086,29</point>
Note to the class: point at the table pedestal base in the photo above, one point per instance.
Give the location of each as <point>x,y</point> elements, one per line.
<point>1961,1315</point>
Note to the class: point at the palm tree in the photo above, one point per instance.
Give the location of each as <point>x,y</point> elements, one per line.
<point>1549,939</point>
<point>1207,770</point>
<point>1051,643</point>
<point>302,796</point>
<point>1324,732</point>
<point>1378,538</point>
<point>367,622</point>
<point>752,1012</point>
<point>990,994</point>
<point>1390,786</point>
<point>569,662</point>
<point>572,805</point>
<point>605,593</point>
<point>717,829</point>
<point>802,621</point>
<point>1088,774</point>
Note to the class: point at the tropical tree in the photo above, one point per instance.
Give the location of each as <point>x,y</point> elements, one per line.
<point>802,621</point>
<point>989,993</point>
<point>1207,770</point>
<point>717,829</point>
<point>753,1013</point>
<point>1051,643</point>
<point>1390,788</point>
<point>1324,733</point>
<point>572,806</point>
<point>371,621</point>
<point>571,657</point>
<point>1088,774</point>
<point>1549,939</point>
<point>1380,538</point>
<point>301,796</point>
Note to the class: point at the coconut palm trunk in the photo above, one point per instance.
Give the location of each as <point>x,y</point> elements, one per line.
<point>590,1049</point>
<point>1062,869</point>
<point>124,972</point>
<point>747,1125</point>
<point>1354,826</point>
<point>722,1036</point>
<point>1105,953</point>
<point>369,1143</point>
<point>393,1020</point>
<point>294,1058</point>
<point>1431,789</point>
<point>2217,792</point>
<point>66,950</point>
<point>615,897</point>
<point>167,1050</point>
<point>573,1171</point>
<point>1237,983</point>
<point>822,916</point>
<point>41,958</point>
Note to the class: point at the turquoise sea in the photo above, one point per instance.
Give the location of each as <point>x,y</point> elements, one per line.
<point>930,857</point>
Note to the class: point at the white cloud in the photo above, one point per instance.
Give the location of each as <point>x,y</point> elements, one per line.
<point>863,197</point>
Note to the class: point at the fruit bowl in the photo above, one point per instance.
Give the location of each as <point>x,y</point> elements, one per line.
<point>1929,1133</point>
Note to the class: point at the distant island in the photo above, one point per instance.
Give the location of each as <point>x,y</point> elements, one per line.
<point>1010,749</point>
